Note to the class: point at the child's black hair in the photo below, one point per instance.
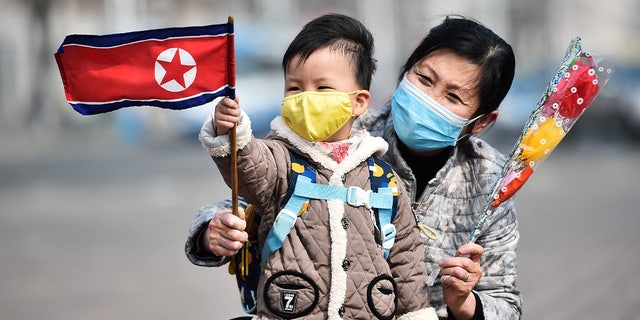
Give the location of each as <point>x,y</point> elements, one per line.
<point>338,32</point>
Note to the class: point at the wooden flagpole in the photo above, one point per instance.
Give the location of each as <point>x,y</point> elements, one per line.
<point>232,134</point>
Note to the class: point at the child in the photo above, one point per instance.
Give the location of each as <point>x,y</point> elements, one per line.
<point>329,264</point>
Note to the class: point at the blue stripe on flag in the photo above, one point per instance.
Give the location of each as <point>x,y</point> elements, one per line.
<point>117,39</point>
<point>90,108</point>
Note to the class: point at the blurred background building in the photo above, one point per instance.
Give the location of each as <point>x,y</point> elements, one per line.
<point>32,98</point>
<point>94,210</point>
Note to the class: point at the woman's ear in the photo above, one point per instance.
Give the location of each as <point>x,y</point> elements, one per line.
<point>361,102</point>
<point>484,121</point>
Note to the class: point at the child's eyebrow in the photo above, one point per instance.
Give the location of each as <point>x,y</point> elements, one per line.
<point>323,79</point>
<point>290,78</point>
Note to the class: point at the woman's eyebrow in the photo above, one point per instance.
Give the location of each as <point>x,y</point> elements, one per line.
<point>428,73</point>
<point>459,90</point>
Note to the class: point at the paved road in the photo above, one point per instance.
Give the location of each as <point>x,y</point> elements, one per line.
<point>93,230</point>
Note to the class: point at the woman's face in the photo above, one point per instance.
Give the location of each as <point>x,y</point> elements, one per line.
<point>450,79</point>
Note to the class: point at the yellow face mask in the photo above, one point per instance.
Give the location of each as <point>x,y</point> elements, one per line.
<point>317,116</point>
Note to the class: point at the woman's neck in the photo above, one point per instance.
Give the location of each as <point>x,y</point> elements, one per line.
<point>421,154</point>
<point>424,164</point>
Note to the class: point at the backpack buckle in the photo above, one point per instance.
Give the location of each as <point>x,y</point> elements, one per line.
<point>389,232</point>
<point>286,215</point>
<point>357,197</point>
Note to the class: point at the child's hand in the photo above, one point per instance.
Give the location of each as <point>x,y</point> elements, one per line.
<point>227,114</point>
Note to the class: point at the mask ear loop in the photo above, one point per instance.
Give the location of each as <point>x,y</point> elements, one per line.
<point>355,92</point>
<point>470,121</point>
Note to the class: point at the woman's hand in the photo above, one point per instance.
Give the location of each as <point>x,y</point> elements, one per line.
<point>225,233</point>
<point>459,275</point>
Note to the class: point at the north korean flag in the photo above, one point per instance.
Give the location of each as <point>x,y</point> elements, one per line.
<point>174,68</point>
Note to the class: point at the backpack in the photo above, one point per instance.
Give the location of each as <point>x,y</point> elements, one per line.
<point>382,200</point>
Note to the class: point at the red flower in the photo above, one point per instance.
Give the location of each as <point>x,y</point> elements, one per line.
<point>514,185</point>
<point>575,90</point>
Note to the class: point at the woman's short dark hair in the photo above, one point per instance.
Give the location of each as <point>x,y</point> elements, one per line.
<point>339,32</point>
<point>480,45</point>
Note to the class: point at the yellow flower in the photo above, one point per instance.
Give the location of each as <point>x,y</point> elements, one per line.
<point>540,140</point>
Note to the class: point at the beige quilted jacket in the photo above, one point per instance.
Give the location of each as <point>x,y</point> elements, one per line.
<point>330,266</point>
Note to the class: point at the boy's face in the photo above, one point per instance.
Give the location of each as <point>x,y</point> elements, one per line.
<point>327,70</point>
<point>324,70</point>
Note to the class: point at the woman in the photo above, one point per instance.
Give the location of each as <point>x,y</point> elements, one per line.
<point>450,89</point>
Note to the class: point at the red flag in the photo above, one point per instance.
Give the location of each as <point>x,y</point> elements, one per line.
<point>174,68</point>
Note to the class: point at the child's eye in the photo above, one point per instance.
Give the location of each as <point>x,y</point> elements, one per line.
<point>293,89</point>
<point>324,88</point>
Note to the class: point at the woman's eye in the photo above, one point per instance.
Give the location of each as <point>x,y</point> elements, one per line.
<point>424,78</point>
<point>454,97</point>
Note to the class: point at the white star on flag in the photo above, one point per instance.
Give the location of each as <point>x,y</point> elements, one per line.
<point>175,69</point>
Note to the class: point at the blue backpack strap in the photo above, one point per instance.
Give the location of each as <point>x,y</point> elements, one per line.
<point>295,205</point>
<point>354,196</point>
<point>383,181</point>
<point>382,198</point>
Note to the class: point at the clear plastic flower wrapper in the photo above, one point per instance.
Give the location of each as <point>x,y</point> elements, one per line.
<point>578,81</point>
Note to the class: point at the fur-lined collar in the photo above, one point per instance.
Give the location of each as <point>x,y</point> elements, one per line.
<point>368,146</point>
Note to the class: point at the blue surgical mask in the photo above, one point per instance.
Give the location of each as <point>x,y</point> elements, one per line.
<point>420,122</point>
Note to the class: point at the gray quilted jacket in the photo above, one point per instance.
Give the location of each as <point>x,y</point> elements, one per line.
<point>451,204</point>
<point>330,262</point>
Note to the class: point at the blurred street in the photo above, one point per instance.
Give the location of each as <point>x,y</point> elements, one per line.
<point>94,211</point>
<point>91,229</point>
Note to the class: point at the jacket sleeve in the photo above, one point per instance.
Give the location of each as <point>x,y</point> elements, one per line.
<point>193,247</point>
<point>262,164</point>
<point>407,266</point>
<point>500,297</point>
